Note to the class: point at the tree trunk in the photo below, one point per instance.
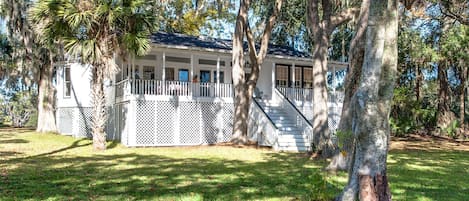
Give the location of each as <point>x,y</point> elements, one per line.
<point>322,19</point>
<point>341,160</point>
<point>444,115</point>
<point>241,99</point>
<point>367,176</point>
<point>418,82</point>
<point>46,100</point>
<point>99,113</point>
<point>462,90</point>
<point>322,135</point>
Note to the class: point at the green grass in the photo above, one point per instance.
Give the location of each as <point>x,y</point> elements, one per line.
<point>53,167</point>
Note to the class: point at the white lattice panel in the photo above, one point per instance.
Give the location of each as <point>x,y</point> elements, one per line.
<point>228,113</point>
<point>189,127</point>
<point>209,122</point>
<point>84,122</point>
<point>121,114</point>
<point>166,119</point>
<point>65,119</point>
<point>111,124</point>
<point>145,119</point>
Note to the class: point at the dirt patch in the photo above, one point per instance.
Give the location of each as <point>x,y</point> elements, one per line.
<point>425,142</point>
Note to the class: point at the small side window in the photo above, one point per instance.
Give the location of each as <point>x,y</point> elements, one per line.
<point>67,82</point>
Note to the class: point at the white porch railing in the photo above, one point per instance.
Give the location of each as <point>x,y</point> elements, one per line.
<point>306,95</point>
<point>173,88</point>
<point>303,101</point>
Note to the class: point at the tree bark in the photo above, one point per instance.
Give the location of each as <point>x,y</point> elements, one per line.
<point>444,115</point>
<point>244,90</point>
<point>418,82</point>
<point>341,160</point>
<point>46,100</point>
<point>320,28</point>
<point>241,99</point>
<point>462,89</point>
<point>367,176</point>
<point>322,138</point>
<point>99,113</point>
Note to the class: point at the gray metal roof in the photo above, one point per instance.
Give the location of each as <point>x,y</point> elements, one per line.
<point>174,39</point>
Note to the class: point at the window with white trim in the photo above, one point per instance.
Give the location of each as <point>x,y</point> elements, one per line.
<point>67,82</point>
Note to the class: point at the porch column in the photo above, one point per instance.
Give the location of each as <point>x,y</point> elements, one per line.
<point>134,83</point>
<point>192,76</point>
<point>273,80</point>
<point>293,75</point>
<point>163,74</point>
<point>133,67</point>
<point>218,75</point>
<point>127,66</point>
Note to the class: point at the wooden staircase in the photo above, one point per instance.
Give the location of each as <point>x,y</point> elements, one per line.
<point>290,137</point>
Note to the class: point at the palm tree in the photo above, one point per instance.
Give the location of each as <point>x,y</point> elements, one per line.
<point>96,31</point>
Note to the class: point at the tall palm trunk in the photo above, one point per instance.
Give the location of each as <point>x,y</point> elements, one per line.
<point>99,114</point>
<point>368,173</point>
<point>46,100</point>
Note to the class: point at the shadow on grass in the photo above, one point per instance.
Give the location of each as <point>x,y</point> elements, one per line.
<point>434,175</point>
<point>142,177</point>
<point>13,141</point>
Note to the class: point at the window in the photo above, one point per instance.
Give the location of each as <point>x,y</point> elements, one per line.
<point>222,76</point>
<point>137,73</point>
<point>308,77</point>
<point>67,82</point>
<point>297,80</point>
<point>281,75</point>
<point>169,73</point>
<point>205,76</point>
<point>183,75</point>
<point>148,72</point>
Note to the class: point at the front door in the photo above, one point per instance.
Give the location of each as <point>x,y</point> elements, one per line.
<point>205,83</point>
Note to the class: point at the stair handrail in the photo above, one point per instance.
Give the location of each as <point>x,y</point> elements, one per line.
<point>304,124</point>
<point>293,106</point>
<point>265,114</point>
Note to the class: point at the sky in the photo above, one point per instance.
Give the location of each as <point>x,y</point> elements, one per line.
<point>2,26</point>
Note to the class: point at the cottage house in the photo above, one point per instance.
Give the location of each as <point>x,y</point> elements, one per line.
<point>181,93</point>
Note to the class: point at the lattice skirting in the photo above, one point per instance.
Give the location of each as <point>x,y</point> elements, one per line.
<point>155,122</point>
<point>335,110</point>
<point>75,121</point>
<point>173,123</point>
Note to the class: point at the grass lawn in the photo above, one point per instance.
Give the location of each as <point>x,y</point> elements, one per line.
<point>53,167</point>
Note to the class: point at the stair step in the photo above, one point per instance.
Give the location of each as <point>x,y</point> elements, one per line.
<point>292,137</point>
<point>293,148</point>
<point>288,129</point>
<point>298,141</point>
<point>285,124</point>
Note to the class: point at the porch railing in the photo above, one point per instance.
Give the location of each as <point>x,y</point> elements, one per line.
<point>306,95</point>
<point>303,101</point>
<point>173,88</point>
